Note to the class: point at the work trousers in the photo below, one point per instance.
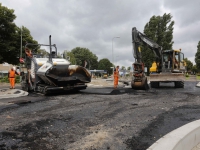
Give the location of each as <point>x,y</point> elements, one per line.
<point>12,82</point>
<point>116,82</point>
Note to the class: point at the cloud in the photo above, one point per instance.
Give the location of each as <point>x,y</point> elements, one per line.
<point>93,24</point>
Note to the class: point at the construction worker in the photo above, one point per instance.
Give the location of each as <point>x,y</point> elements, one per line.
<point>29,56</point>
<point>175,63</point>
<point>28,52</point>
<point>11,76</point>
<point>116,77</point>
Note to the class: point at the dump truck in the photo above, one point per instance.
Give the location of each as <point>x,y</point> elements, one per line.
<point>169,65</point>
<point>51,74</point>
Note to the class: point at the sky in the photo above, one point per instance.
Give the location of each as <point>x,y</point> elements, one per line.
<point>96,24</point>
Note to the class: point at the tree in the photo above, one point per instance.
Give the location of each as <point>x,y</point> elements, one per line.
<point>123,68</point>
<point>7,34</point>
<point>105,64</point>
<point>160,30</point>
<point>84,54</point>
<point>197,57</point>
<point>10,37</point>
<point>70,55</point>
<point>59,55</point>
<point>26,38</point>
<point>43,52</point>
<point>189,64</point>
<point>194,69</point>
<point>129,68</point>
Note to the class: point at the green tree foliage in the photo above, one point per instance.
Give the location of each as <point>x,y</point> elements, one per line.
<point>189,64</point>
<point>43,52</point>
<point>69,55</point>
<point>123,67</point>
<point>160,30</point>
<point>129,68</point>
<point>10,37</point>
<point>197,57</point>
<point>82,54</point>
<point>59,55</point>
<point>26,38</point>
<point>7,34</point>
<point>194,69</point>
<point>105,64</point>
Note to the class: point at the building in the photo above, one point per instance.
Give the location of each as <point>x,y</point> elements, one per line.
<point>4,68</point>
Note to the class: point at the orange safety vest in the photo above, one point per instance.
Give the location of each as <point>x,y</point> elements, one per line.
<point>116,74</point>
<point>12,74</point>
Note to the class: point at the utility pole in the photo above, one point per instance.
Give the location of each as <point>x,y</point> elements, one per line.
<point>21,44</point>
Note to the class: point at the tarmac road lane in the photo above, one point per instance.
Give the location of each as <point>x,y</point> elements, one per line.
<point>133,120</point>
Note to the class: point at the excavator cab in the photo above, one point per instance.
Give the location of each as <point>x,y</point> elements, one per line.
<point>173,61</point>
<point>173,68</point>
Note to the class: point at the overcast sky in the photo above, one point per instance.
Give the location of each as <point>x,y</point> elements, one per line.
<point>94,23</point>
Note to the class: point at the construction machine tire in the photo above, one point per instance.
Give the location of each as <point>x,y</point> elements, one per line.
<point>26,87</point>
<point>155,84</point>
<point>142,85</point>
<point>179,84</point>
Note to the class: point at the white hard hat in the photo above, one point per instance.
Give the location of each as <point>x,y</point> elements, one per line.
<point>14,68</point>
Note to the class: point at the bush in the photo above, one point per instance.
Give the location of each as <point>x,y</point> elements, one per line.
<point>17,79</point>
<point>6,80</point>
<point>186,75</point>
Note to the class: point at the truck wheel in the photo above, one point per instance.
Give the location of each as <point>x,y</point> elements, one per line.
<point>179,84</point>
<point>155,84</point>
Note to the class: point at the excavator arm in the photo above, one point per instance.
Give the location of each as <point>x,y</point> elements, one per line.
<point>137,39</point>
<point>139,79</point>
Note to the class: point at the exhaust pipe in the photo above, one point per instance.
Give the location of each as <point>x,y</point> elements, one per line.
<point>50,56</point>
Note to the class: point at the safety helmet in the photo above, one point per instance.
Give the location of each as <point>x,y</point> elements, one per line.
<point>14,68</point>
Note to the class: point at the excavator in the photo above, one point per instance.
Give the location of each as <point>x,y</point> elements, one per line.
<point>169,65</point>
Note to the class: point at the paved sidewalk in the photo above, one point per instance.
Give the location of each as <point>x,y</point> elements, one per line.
<point>198,84</point>
<point>11,93</point>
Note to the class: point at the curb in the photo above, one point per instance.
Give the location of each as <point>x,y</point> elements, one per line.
<point>198,84</point>
<point>11,93</point>
<point>187,137</point>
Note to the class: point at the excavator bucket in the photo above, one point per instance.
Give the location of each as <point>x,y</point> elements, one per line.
<point>140,84</point>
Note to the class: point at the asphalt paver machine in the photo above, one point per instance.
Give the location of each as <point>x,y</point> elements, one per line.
<point>50,74</point>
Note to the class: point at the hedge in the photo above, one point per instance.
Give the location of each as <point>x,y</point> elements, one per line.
<point>5,79</point>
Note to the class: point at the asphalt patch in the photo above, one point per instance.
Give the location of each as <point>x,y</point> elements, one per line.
<point>162,125</point>
<point>20,102</point>
<point>30,138</point>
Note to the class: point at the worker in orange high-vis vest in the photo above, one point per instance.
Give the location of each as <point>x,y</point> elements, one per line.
<point>11,76</point>
<point>116,77</point>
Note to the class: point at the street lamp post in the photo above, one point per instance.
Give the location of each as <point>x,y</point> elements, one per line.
<point>21,45</point>
<point>113,56</point>
<point>113,53</point>
<point>112,48</point>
